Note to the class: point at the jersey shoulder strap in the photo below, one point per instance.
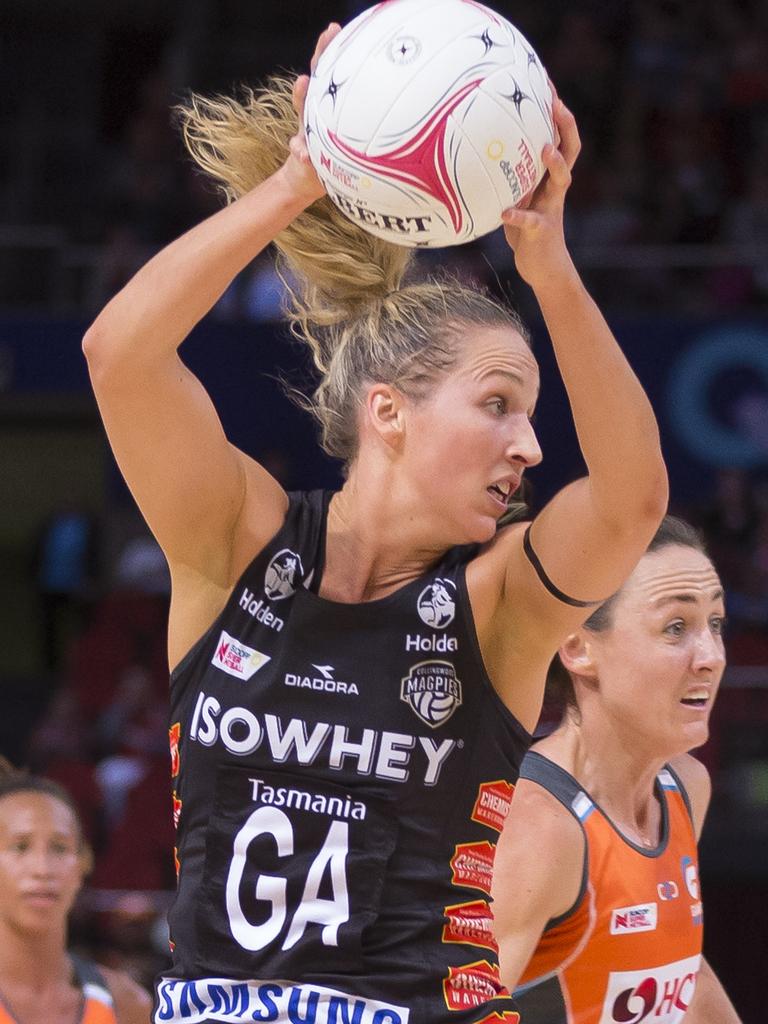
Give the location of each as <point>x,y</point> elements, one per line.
<point>295,555</point>
<point>99,1004</point>
<point>557,781</point>
<point>562,785</point>
<point>670,782</point>
<point>292,558</point>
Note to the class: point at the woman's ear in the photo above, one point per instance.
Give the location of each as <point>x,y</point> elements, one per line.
<point>385,414</point>
<point>577,654</point>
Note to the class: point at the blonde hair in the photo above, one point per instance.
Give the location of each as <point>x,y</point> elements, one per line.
<point>349,303</point>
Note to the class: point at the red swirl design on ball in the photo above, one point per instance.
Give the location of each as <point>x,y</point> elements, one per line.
<point>420,162</point>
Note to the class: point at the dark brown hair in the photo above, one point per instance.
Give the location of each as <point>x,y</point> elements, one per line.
<point>560,693</point>
<point>17,780</point>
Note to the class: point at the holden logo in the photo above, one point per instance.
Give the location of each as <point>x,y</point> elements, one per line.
<point>281,574</point>
<point>436,603</point>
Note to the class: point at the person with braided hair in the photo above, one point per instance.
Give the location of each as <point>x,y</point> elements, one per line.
<point>356,674</point>
<point>44,858</point>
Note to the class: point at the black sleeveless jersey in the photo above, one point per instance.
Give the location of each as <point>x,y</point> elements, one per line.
<point>341,773</point>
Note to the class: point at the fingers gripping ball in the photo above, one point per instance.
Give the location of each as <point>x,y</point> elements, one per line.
<point>425,119</point>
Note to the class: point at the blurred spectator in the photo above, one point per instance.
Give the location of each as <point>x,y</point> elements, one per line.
<point>736,528</point>
<point>730,521</point>
<point>139,853</point>
<point>144,182</point>
<point>141,567</point>
<point>670,98</point>
<point>600,210</point>
<point>746,223</point>
<point>258,294</point>
<point>583,65</point>
<point>66,567</point>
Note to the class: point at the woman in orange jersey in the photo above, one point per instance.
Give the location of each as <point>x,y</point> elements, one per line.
<point>597,906</point>
<point>43,861</point>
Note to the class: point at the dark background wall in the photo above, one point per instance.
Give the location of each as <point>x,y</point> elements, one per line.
<point>668,221</point>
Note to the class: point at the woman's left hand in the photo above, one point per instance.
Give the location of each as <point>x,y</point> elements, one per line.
<point>534,230</point>
<point>297,170</point>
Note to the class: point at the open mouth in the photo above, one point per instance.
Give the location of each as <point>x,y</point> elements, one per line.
<point>502,491</point>
<point>696,699</point>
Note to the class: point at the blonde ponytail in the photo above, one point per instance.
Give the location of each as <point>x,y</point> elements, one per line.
<point>339,267</point>
<point>349,304</point>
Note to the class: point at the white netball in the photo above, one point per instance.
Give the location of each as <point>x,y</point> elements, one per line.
<point>425,119</point>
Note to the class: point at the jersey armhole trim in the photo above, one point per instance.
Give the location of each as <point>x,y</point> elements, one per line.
<point>91,980</point>
<point>294,497</point>
<point>534,757</point>
<point>533,558</point>
<point>466,605</point>
<point>683,792</point>
<point>581,894</point>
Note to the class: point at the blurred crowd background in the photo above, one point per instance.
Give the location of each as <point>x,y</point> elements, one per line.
<point>668,221</point>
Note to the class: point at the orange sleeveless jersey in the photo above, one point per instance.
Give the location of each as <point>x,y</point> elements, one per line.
<point>98,1007</point>
<point>630,948</point>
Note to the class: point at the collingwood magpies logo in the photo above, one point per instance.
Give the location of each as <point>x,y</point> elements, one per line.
<point>436,604</point>
<point>280,577</point>
<point>433,690</point>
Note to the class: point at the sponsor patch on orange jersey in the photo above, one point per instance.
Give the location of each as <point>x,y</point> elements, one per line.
<point>643,917</point>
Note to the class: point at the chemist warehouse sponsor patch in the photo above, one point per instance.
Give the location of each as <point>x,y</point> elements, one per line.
<point>472,985</point>
<point>492,804</point>
<point>236,658</point>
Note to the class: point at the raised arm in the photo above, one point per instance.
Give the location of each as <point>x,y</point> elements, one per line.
<point>591,534</point>
<point>188,481</point>
<point>209,506</point>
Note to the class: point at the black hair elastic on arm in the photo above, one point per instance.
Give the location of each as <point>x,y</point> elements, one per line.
<point>533,558</point>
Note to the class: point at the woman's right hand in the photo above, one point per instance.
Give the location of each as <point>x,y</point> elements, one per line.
<point>534,229</point>
<point>298,170</point>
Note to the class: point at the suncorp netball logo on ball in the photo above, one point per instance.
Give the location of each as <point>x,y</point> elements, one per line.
<point>433,691</point>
